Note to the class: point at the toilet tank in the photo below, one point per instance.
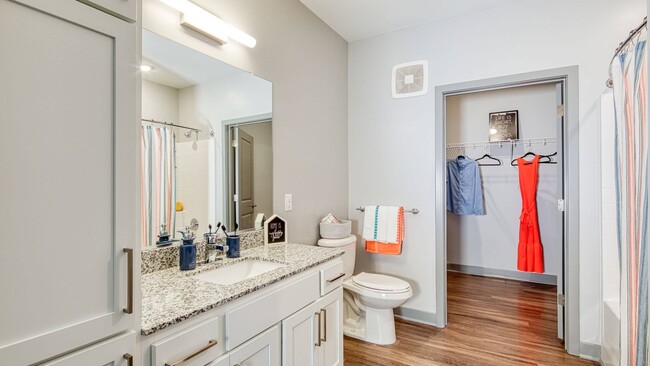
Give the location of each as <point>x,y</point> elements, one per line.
<point>348,244</point>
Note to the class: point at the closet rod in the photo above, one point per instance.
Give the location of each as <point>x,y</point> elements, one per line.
<point>170,124</point>
<point>541,140</point>
<point>414,211</point>
<point>622,45</point>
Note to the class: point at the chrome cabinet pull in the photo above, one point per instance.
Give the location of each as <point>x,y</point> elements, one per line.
<point>324,322</point>
<point>210,344</point>
<point>335,278</point>
<point>129,282</point>
<point>129,359</point>
<point>319,330</point>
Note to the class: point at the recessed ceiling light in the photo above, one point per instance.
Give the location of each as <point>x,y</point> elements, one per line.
<point>145,68</point>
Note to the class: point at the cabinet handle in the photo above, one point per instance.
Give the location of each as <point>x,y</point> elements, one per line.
<point>129,281</point>
<point>210,344</point>
<point>129,359</point>
<point>319,330</point>
<point>336,278</point>
<point>324,322</point>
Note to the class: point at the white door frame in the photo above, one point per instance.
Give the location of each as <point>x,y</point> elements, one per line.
<point>571,265</point>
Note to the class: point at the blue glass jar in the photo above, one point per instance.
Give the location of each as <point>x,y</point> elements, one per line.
<point>233,246</point>
<point>187,255</point>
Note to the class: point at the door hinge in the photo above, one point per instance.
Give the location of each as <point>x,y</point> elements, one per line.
<point>235,198</point>
<point>561,300</point>
<point>560,205</point>
<point>560,110</point>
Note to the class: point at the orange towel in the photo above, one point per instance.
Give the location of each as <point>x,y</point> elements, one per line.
<point>389,248</point>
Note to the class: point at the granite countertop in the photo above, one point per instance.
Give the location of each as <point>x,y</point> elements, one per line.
<point>171,296</point>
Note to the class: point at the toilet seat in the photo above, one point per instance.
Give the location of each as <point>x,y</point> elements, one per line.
<point>381,283</point>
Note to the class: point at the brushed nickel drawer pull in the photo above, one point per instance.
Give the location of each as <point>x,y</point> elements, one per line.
<point>319,330</point>
<point>129,281</point>
<point>129,359</point>
<point>336,278</point>
<point>210,344</point>
<point>325,323</point>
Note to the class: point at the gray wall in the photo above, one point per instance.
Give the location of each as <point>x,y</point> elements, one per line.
<point>307,63</point>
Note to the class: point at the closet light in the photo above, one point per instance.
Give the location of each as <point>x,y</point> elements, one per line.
<point>208,24</point>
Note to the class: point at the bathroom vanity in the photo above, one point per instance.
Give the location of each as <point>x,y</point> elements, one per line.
<point>272,306</point>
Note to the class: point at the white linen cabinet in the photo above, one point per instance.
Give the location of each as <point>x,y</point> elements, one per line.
<point>68,199</point>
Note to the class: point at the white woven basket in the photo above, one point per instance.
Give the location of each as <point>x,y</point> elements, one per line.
<point>336,231</point>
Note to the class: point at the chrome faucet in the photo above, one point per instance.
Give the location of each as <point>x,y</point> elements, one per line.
<point>213,254</point>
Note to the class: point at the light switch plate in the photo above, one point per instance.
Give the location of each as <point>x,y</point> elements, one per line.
<point>288,202</point>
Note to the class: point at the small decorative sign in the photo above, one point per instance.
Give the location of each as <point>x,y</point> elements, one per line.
<point>275,231</point>
<point>504,126</point>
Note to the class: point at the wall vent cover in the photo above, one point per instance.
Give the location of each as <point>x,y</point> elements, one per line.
<point>410,79</point>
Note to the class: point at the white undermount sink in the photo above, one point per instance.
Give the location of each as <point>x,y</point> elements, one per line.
<point>236,272</point>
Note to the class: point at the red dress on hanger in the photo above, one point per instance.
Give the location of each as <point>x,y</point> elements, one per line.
<point>531,255</point>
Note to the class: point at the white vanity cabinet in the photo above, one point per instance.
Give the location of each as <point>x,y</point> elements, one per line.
<point>277,325</point>
<point>69,267</point>
<point>314,335</point>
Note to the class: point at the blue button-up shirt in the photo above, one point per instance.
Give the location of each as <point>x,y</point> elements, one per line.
<point>464,190</point>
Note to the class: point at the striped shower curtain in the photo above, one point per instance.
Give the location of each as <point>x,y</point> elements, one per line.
<point>158,173</point>
<point>629,77</point>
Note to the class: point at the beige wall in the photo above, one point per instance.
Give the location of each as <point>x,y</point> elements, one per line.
<point>307,63</point>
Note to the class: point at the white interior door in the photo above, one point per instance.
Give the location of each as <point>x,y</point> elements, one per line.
<point>68,150</point>
<point>245,180</point>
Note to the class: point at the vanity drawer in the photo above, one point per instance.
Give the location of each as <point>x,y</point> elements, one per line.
<point>331,277</point>
<point>199,340</point>
<point>250,319</point>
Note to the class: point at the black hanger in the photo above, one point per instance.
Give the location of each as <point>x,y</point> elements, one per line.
<point>495,161</point>
<point>543,159</point>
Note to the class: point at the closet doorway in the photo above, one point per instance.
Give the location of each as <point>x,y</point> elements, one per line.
<point>487,244</point>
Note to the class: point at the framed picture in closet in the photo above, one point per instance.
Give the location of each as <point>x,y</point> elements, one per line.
<point>504,126</point>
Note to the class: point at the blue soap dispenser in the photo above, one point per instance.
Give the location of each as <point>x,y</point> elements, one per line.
<point>187,250</point>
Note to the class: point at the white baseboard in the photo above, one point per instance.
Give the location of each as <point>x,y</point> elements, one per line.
<point>590,351</point>
<point>417,316</point>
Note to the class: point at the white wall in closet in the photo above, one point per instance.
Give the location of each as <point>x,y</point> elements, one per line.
<point>490,241</point>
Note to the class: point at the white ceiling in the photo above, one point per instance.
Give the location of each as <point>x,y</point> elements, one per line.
<point>359,19</point>
<point>179,66</point>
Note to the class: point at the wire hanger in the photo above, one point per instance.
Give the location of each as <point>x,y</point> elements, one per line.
<point>543,159</point>
<point>492,161</point>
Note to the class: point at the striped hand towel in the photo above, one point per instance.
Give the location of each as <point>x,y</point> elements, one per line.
<point>383,229</point>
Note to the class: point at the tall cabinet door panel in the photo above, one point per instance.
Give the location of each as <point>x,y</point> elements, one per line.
<point>68,154</point>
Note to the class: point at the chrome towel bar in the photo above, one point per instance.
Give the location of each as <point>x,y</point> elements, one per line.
<point>414,211</point>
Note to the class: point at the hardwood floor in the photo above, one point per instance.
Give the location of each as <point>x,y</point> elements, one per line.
<point>490,322</point>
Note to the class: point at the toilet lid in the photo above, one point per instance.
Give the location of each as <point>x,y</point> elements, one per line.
<point>380,282</point>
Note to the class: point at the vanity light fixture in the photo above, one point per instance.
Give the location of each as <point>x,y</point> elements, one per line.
<point>200,20</point>
<point>145,68</point>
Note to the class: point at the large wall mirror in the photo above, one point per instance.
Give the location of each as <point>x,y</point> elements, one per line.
<point>206,142</point>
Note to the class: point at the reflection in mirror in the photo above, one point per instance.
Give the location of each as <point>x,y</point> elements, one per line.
<point>187,99</point>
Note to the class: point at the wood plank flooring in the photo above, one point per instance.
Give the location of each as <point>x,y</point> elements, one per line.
<point>490,322</point>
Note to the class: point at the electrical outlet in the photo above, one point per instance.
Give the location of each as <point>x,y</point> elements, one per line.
<point>288,202</point>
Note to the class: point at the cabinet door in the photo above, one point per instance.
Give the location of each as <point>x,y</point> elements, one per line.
<point>263,350</point>
<point>299,338</point>
<point>221,361</point>
<point>331,308</point>
<point>116,351</point>
<point>68,152</point>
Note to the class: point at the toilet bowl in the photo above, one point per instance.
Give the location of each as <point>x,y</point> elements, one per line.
<point>369,298</point>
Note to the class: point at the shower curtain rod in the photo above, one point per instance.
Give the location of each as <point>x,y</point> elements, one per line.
<point>170,124</point>
<point>623,44</point>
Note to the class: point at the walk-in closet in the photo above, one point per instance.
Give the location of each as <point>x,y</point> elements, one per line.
<point>497,140</point>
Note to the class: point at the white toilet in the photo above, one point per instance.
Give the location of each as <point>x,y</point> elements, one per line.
<point>369,299</point>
